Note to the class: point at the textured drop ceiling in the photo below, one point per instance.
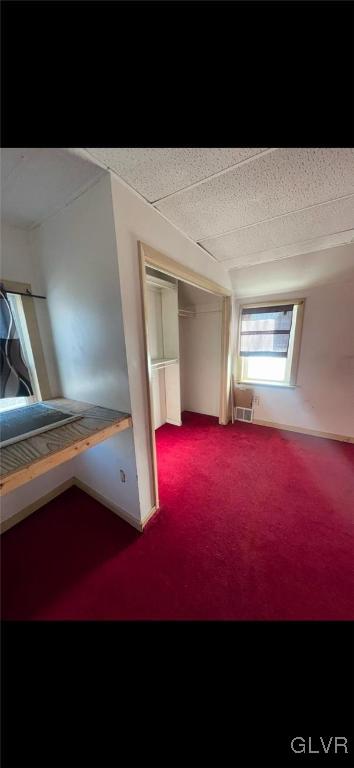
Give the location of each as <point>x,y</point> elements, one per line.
<point>290,229</point>
<point>37,182</point>
<point>157,173</point>
<point>243,205</point>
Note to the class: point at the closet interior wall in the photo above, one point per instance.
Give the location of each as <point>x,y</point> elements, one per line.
<point>200,316</point>
<point>184,333</point>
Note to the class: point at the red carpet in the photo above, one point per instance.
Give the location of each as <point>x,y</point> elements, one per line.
<point>254,524</point>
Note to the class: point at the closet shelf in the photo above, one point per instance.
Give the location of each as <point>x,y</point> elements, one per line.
<point>186,312</point>
<point>161,362</point>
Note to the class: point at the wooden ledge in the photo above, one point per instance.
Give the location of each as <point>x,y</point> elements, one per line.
<point>28,459</point>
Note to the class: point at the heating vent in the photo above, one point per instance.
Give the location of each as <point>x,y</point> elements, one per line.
<point>244,414</point>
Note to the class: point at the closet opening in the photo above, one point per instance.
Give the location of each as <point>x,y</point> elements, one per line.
<point>187,346</point>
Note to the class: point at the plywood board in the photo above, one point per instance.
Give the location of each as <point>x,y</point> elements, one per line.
<point>25,460</point>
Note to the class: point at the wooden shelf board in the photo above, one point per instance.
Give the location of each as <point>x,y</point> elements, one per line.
<point>30,458</point>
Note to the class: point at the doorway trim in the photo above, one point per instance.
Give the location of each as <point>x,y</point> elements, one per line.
<point>148,256</point>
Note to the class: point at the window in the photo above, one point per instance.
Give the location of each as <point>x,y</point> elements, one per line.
<point>19,382</point>
<point>269,342</point>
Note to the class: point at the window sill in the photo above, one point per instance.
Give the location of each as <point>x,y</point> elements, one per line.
<point>268,384</point>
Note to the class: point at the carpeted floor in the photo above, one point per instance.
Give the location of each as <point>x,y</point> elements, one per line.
<point>254,524</point>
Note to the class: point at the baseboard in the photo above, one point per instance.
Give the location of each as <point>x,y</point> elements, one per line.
<point>304,431</point>
<point>148,516</point>
<point>109,504</point>
<point>175,423</point>
<point>23,513</point>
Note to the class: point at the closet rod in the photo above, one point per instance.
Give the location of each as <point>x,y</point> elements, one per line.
<point>24,293</point>
<point>183,313</point>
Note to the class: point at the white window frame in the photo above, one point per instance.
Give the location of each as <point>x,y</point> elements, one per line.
<point>291,369</point>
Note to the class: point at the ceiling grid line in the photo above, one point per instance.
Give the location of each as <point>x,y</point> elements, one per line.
<point>247,160</point>
<point>167,167</point>
<point>279,183</point>
<point>239,212</point>
<point>289,245</point>
<point>274,218</point>
<point>143,199</point>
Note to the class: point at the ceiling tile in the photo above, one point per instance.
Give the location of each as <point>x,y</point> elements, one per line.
<point>159,172</point>
<point>44,181</point>
<point>291,228</point>
<point>275,183</point>
<point>11,157</point>
<point>294,249</point>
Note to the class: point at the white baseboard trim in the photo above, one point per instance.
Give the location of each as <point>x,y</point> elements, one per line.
<point>109,504</point>
<point>23,513</point>
<point>304,431</point>
<point>148,517</point>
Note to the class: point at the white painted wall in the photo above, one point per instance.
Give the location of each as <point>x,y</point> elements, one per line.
<point>17,264</point>
<point>200,353</point>
<point>76,254</point>
<point>298,273</point>
<point>136,220</point>
<point>99,468</point>
<point>323,399</point>
<point>200,350</point>
<point>30,492</point>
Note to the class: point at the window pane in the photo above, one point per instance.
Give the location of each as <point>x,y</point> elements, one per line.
<point>265,331</point>
<point>266,368</point>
